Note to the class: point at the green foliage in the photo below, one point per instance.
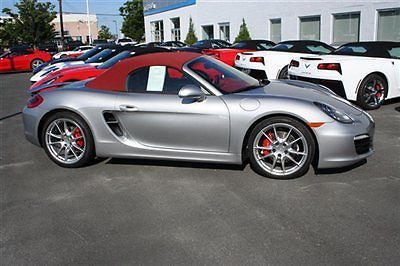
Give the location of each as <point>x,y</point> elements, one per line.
<point>30,25</point>
<point>191,37</point>
<point>133,25</point>
<point>244,33</point>
<point>105,33</point>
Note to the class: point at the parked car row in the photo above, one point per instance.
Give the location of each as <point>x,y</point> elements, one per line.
<point>146,101</point>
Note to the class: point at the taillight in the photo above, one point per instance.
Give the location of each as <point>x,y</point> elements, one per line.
<point>34,101</point>
<point>257,59</point>
<point>294,63</point>
<point>330,66</point>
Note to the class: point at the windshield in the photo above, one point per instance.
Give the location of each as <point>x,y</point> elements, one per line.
<point>112,61</point>
<point>100,56</point>
<point>282,47</point>
<point>124,40</point>
<point>89,54</point>
<point>223,77</point>
<point>351,50</point>
<point>4,54</point>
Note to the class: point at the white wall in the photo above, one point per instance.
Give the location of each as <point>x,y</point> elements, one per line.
<point>258,15</point>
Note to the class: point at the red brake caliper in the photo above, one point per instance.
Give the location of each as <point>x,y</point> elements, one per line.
<point>77,134</point>
<point>378,87</point>
<point>267,143</point>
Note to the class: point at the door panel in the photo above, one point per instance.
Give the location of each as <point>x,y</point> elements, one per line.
<point>5,64</point>
<point>167,121</point>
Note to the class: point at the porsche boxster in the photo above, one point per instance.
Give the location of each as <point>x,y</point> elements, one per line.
<point>187,106</point>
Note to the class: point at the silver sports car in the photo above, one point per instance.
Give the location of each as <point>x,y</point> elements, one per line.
<point>185,106</point>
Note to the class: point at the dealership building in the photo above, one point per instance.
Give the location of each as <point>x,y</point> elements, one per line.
<point>333,22</point>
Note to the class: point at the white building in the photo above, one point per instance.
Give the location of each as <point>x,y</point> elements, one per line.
<point>333,22</point>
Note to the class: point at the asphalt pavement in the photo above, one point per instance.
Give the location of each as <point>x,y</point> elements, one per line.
<point>168,213</point>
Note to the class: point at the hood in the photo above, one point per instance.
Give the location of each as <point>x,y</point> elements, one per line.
<point>304,91</point>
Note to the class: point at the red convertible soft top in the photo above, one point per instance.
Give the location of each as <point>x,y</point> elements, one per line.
<point>114,79</point>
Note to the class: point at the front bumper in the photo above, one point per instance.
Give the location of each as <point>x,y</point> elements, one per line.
<point>342,145</point>
<point>335,85</point>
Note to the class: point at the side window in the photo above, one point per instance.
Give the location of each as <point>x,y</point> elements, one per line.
<point>318,49</point>
<point>157,79</point>
<point>394,52</point>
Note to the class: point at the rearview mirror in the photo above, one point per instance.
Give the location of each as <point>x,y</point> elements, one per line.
<point>191,92</point>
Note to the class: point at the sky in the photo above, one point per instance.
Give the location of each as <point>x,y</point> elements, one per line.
<point>107,10</point>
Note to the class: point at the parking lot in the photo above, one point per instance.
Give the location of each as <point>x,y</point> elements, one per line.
<point>159,212</point>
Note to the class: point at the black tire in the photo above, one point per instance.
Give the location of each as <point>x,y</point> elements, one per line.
<point>89,152</point>
<point>258,165</point>
<point>35,63</point>
<point>284,74</point>
<point>364,92</point>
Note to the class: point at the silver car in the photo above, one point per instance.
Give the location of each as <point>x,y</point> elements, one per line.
<point>185,106</point>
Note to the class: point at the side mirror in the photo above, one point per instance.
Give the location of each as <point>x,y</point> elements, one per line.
<point>191,92</point>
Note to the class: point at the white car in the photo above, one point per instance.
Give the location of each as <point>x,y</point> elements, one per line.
<point>274,63</point>
<point>76,52</point>
<point>125,41</point>
<point>365,72</point>
<point>95,60</point>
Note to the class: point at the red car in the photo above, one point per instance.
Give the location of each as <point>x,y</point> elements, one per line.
<point>227,55</point>
<point>82,72</point>
<point>22,59</point>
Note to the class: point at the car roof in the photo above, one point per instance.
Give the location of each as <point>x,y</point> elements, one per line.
<point>115,78</point>
<point>374,49</point>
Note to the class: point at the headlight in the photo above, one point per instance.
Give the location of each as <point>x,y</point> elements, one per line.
<point>335,114</point>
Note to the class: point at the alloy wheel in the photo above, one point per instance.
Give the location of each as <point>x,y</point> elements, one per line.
<point>374,93</point>
<point>280,149</point>
<point>65,141</point>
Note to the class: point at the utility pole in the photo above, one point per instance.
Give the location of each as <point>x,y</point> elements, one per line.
<point>88,21</point>
<point>116,29</point>
<point>61,24</point>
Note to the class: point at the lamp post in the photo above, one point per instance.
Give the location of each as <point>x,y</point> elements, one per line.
<point>116,29</point>
<point>88,21</point>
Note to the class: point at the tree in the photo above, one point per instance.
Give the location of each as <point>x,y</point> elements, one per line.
<point>105,33</point>
<point>244,33</point>
<point>133,25</point>
<point>191,37</point>
<point>32,24</point>
<point>8,35</point>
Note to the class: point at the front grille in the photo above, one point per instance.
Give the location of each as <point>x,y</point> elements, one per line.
<point>335,85</point>
<point>363,144</point>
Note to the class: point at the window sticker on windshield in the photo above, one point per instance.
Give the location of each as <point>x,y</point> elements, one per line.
<point>156,78</point>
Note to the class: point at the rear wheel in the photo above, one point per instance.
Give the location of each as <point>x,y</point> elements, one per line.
<point>281,148</point>
<point>68,140</point>
<point>35,63</point>
<point>284,74</point>
<point>372,92</point>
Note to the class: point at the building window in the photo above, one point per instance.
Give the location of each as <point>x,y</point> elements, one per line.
<point>346,28</point>
<point>310,28</point>
<point>224,32</point>
<point>208,32</point>
<point>175,29</point>
<point>157,31</point>
<point>275,30</point>
<point>389,25</point>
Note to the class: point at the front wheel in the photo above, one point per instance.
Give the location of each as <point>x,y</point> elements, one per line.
<point>372,92</point>
<point>281,148</point>
<point>36,63</point>
<point>68,140</point>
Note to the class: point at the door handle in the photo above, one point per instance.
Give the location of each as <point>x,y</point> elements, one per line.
<point>128,108</point>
